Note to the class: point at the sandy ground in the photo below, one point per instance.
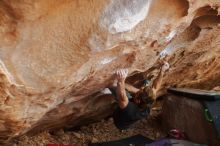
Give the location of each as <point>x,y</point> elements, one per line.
<point>96,132</point>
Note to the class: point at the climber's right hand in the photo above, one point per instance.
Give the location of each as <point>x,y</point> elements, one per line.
<point>121,74</point>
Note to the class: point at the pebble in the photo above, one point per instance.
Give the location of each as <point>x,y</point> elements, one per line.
<point>94,140</point>
<point>77,135</point>
<point>158,135</point>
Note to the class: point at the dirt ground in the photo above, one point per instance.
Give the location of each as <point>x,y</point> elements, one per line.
<point>96,132</point>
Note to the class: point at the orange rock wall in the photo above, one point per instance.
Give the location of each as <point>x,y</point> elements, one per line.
<point>56,56</point>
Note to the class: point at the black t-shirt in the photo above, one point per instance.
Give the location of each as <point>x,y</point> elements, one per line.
<point>123,118</point>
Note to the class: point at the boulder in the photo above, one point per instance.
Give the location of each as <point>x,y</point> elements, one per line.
<point>57,57</point>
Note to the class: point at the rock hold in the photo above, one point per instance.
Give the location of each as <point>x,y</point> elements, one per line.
<point>56,57</point>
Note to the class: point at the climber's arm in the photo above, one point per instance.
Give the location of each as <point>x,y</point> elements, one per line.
<point>131,88</point>
<point>158,81</point>
<point>121,94</point>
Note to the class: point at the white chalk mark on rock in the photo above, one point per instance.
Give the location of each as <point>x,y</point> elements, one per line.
<point>171,35</point>
<point>170,49</point>
<point>107,60</point>
<point>123,15</point>
<point>6,72</point>
<point>95,43</point>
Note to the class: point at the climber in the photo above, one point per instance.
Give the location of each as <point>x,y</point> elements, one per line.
<point>129,112</point>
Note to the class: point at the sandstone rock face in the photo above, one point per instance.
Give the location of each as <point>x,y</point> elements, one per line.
<point>56,56</point>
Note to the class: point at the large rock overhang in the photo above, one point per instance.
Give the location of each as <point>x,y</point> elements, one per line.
<point>57,56</point>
